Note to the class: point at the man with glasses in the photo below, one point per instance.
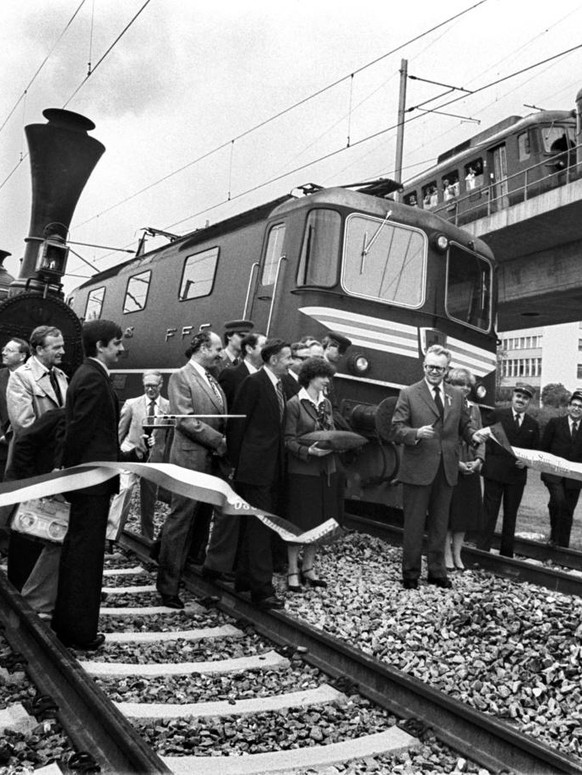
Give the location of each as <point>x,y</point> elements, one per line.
<point>504,476</point>
<point>562,437</point>
<point>429,420</point>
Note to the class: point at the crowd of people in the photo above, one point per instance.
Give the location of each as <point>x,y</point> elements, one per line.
<point>242,408</point>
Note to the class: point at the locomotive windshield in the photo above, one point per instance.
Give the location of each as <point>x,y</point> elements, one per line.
<point>469,282</point>
<point>384,261</point>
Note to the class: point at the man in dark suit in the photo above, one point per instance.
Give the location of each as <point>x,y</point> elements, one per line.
<point>335,346</point>
<point>14,354</point>
<point>256,450</point>
<point>231,379</point>
<point>503,475</point>
<point>562,437</point>
<point>429,419</point>
<point>231,356</point>
<point>92,416</point>
<point>196,443</point>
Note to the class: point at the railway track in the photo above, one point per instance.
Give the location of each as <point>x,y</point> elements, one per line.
<point>101,726</point>
<point>566,578</point>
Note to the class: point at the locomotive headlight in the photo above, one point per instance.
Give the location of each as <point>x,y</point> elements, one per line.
<point>480,391</point>
<point>441,242</point>
<point>358,364</point>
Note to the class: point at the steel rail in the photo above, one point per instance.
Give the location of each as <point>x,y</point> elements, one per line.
<point>517,570</point>
<point>492,743</point>
<point>90,719</point>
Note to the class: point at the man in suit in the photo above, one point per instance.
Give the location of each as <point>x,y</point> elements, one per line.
<point>335,346</point>
<point>256,449</point>
<point>192,391</point>
<point>562,437</point>
<point>232,378</point>
<point>504,476</point>
<point>144,446</point>
<point>14,355</point>
<point>234,332</point>
<point>429,420</point>
<point>92,420</point>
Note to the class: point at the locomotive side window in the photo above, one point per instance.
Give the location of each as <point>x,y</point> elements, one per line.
<point>384,261</point>
<point>319,252</point>
<point>136,293</point>
<point>411,199</point>
<point>198,275</point>
<point>469,281</point>
<point>430,196</point>
<point>474,174</point>
<point>95,304</point>
<point>450,185</point>
<point>523,147</point>
<point>274,253</point>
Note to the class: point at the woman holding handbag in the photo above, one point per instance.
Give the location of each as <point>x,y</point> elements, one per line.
<point>315,491</point>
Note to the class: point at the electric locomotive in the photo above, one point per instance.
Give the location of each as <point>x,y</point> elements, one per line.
<point>392,278</point>
<point>507,163</point>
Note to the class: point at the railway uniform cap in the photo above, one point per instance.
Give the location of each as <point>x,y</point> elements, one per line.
<point>238,326</point>
<point>523,387</point>
<point>576,396</point>
<point>342,341</point>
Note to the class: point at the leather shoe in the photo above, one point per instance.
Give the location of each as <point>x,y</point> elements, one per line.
<point>440,581</point>
<point>155,550</point>
<point>91,645</point>
<point>272,602</point>
<point>410,583</point>
<point>172,601</point>
<point>217,575</point>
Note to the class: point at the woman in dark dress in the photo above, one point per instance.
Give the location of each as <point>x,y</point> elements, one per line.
<point>466,503</point>
<point>314,484</point>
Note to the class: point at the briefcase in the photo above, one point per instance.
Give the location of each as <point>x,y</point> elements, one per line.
<point>45,519</point>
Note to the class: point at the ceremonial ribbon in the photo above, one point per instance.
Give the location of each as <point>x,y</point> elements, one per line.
<point>182,481</point>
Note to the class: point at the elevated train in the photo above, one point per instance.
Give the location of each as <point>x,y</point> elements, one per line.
<point>507,163</point>
<point>392,278</point>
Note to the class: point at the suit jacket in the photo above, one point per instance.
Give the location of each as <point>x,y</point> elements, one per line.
<point>30,393</point>
<point>195,440</point>
<point>421,458</point>
<point>500,464</point>
<point>255,444</point>
<point>301,418</point>
<point>92,414</point>
<point>290,386</point>
<point>4,419</point>
<point>130,431</point>
<point>230,379</point>
<point>557,440</point>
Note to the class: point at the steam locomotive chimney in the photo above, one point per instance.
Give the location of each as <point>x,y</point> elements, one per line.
<point>579,130</point>
<point>62,157</point>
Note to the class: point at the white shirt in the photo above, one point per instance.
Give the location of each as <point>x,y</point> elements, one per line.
<point>303,395</point>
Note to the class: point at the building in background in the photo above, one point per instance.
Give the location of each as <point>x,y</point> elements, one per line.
<point>540,356</point>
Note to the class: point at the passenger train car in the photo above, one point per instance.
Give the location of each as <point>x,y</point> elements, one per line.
<point>514,160</point>
<point>392,278</point>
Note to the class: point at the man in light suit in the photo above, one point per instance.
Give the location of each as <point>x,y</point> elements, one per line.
<point>429,419</point>
<point>144,446</point>
<point>505,477</point>
<point>192,391</point>
<point>256,450</point>
<point>92,419</point>
<point>14,355</point>
<point>562,437</point>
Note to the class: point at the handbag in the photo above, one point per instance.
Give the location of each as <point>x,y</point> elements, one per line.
<point>45,519</point>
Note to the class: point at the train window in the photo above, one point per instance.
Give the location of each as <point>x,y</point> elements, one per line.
<point>430,196</point>
<point>469,281</point>
<point>450,185</point>
<point>523,147</point>
<point>198,274</point>
<point>411,199</point>
<point>474,174</point>
<point>384,261</point>
<point>319,253</point>
<point>136,293</point>
<point>94,304</point>
<point>273,254</point>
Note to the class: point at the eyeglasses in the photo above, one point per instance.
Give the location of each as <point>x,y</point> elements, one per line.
<point>438,369</point>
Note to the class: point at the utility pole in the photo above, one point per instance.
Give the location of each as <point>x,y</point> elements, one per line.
<point>400,129</point>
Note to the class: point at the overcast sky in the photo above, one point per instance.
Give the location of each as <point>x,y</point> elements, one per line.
<point>190,76</point>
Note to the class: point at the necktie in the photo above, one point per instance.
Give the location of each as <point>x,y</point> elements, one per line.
<point>280,397</point>
<point>574,428</point>
<point>152,412</point>
<point>215,388</point>
<point>438,400</point>
<point>56,387</point>
<point>518,421</point>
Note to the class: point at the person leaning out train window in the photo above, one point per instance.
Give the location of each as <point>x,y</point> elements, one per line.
<point>315,492</point>
<point>466,504</point>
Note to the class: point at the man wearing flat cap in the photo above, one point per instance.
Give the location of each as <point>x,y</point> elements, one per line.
<point>234,332</point>
<point>334,348</point>
<point>504,476</point>
<point>562,437</point>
